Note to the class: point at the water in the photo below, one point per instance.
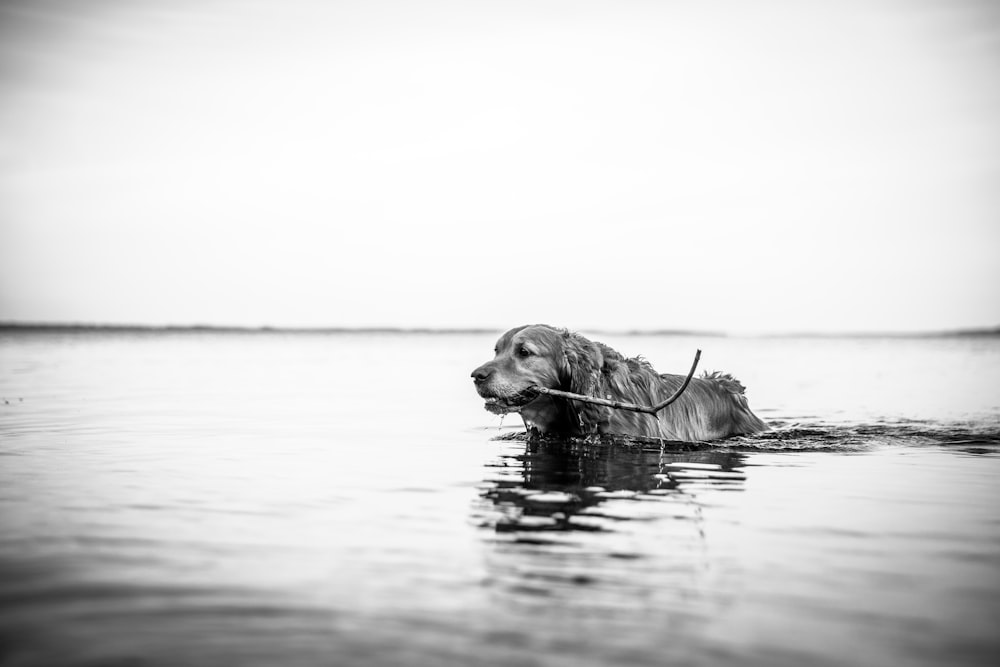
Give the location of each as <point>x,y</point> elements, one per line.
<point>331,499</point>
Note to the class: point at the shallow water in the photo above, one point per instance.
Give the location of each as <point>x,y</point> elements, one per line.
<point>266,498</point>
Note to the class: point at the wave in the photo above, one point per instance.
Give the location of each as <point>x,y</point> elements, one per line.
<point>972,437</point>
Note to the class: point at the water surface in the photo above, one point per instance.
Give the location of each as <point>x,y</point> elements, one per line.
<point>203,498</point>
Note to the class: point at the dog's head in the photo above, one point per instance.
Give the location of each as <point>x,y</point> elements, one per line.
<point>536,356</point>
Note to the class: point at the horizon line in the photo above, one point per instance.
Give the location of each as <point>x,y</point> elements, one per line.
<point>212,328</point>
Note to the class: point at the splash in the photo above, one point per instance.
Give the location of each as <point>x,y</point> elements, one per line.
<point>808,437</point>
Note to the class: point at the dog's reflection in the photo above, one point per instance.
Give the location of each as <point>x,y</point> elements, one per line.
<point>561,485</point>
<point>628,523</point>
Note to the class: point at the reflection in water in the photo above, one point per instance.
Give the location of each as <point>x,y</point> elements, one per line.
<point>616,529</point>
<point>561,485</point>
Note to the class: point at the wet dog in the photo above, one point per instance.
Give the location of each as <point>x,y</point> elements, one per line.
<point>527,357</point>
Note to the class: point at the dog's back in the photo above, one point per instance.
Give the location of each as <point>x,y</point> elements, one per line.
<point>713,406</point>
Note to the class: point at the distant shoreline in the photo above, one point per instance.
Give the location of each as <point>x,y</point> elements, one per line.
<point>205,328</point>
<point>48,327</point>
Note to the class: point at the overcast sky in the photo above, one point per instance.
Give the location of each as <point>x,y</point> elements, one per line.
<point>735,166</point>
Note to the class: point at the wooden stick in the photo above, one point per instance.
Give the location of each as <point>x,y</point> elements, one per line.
<point>622,405</point>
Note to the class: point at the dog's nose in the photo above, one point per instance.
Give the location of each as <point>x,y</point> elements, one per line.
<point>482,373</point>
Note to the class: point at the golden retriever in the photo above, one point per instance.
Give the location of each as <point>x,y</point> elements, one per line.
<point>712,407</point>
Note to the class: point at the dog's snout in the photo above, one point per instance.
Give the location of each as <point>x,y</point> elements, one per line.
<point>483,373</point>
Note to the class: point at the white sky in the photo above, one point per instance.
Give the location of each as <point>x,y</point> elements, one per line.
<point>735,166</point>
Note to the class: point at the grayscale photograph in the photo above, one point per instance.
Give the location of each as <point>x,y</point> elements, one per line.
<point>499,333</point>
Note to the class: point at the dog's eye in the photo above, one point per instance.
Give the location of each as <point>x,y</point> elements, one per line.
<point>523,352</point>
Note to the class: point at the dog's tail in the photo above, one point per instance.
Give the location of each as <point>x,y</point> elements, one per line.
<point>726,381</point>
<point>746,421</point>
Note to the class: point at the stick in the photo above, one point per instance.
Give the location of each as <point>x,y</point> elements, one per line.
<point>621,405</point>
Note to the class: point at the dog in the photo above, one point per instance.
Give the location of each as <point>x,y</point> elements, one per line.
<point>712,407</point>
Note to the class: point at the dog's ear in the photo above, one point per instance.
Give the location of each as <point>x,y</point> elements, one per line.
<point>581,364</point>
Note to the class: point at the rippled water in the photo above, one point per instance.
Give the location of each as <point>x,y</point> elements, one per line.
<point>304,499</point>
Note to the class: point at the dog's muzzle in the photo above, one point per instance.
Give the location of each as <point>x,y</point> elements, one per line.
<point>499,403</point>
<point>502,405</point>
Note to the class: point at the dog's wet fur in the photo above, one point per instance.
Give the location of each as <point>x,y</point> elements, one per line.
<point>713,406</point>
